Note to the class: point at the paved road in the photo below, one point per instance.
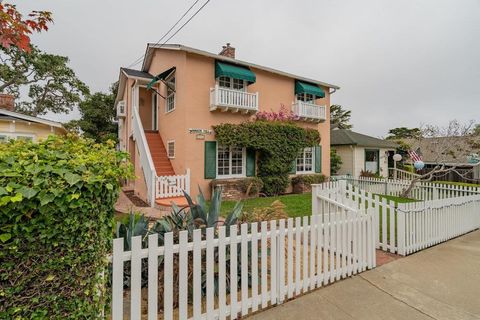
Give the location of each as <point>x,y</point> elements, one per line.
<point>442,282</point>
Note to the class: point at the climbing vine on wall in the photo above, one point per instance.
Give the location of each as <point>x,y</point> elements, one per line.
<point>277,144</point>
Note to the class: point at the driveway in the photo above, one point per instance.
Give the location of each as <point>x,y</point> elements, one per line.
<point>442,282</point>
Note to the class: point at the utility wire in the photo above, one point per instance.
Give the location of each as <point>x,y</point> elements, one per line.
<point>137,61</point>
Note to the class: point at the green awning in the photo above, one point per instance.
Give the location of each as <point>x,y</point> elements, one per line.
<point>233,71</point>
<point>160,76</point>
<point>304,87</point>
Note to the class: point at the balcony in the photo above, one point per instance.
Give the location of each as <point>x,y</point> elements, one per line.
<point>233,100</point>
<point>121,109</point>
<point>308,111</point>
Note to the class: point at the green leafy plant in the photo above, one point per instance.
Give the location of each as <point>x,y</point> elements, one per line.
<point>369,174</point>
<point>251,186</point>
<point>309,179</point>
<point>277,143</point>
<point>335,162</point>
<point>56,209</point>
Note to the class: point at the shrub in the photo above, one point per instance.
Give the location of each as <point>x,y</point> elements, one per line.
<point>369,174</point>
<point>275,211</point>
<point>308,179</point>
<point>251,186</point>
<point>278,144</point>
<point>56,211</point>
<point>335,162</point>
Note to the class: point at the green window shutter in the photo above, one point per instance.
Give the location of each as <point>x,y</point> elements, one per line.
<point>293,169</point>
<point>318,159</point>
<point>210,165</point>
<point>251,163</point>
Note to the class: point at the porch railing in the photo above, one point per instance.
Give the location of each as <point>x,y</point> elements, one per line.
<point>234,100</point>
<point>309,111</point>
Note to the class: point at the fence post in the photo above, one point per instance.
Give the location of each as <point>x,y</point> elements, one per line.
<point>315,199</point>
<point>400,229</point>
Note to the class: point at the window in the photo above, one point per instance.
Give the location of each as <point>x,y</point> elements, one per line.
<point>4,137</point>
<point>371,160</point>
<point>306,97</point>
<point>231,83</point>
<point>170,100</point>
<point>171,149</point>
<point>305,161</point>
<point>230,161</point>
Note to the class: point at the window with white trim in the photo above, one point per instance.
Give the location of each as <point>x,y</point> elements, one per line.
<point>230,162</point>
<point>171,149</point>
<point>306,97</point>
<point>305,161</point>
<point>170,99</point>
<point>232,83</point>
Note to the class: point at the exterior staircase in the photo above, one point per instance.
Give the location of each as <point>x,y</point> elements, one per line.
<point>162,163</point>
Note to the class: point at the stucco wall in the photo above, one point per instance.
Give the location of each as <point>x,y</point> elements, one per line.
<point>353,159</point>
<point>195,75</point>
<point>346,153</point>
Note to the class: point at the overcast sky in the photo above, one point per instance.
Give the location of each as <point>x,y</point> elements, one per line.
<point>398,63</point>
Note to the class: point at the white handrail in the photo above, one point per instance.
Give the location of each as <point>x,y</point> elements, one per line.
<point>146,160</point>
<point>398,174</point>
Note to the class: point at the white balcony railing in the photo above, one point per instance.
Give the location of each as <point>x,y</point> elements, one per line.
<point>121,106</point>
<point>309,111</point>
<point>233,100</point>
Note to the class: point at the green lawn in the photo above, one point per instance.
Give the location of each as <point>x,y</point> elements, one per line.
<point>296,205</point>
<point>396,199</point>
<point>462,184</point>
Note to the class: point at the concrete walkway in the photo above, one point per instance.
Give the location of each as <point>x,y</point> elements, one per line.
<point>442,282</point>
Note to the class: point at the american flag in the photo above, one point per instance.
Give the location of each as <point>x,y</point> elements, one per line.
<point>414,155</point>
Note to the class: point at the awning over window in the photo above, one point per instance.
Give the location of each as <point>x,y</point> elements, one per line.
<point>233,71</point>
<point>160,76</point>
<point>304,87</point>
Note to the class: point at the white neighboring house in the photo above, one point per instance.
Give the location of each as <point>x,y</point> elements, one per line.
<point>360,152</point>
<point>14,125</point>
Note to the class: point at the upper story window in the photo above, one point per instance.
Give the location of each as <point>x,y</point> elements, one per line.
<point>305,161</point>
<point>232,83</point>
<point>306,97</point>
<point>171,88</point>
<point>230,162</point>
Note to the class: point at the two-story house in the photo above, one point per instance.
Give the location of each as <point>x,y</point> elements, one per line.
<point>167,109</point>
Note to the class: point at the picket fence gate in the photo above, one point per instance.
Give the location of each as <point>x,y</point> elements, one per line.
<point>264,265</point>
<point>405,228</point>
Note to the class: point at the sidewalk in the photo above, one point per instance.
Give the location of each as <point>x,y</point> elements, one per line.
<point>442,282</point>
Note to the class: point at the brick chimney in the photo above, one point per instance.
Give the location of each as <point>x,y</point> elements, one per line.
<point>7,101</point>
<point>228,51</point>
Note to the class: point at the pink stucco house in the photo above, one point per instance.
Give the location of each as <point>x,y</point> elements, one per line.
<point>167,126</point>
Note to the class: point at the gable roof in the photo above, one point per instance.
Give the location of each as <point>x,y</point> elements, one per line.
<point>339,137</point>
<point>151,47</point>
<point>15,115</point>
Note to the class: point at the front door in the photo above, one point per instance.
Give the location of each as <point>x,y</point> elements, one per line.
<point>154,111</point>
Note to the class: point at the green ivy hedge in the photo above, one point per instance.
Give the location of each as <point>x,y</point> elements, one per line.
<point>278,144</point>
<point>56,210</point>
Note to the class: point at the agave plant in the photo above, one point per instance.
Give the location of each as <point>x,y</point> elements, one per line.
<point>135,225</point>
<point>206,217</point>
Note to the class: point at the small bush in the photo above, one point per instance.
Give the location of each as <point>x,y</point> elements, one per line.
<point>56,213</point>
<point>275,211</point>
<point>369,174</point>
<point>308,179</point>
<point>251,186</point>
<point>275,185</point>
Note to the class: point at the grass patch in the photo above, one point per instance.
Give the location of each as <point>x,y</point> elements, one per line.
<point>296,205</point>
<point>461,184</point>
<point>396,199</point>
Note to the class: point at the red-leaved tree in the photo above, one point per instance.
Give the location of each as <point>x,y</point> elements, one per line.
<point>16,31</point>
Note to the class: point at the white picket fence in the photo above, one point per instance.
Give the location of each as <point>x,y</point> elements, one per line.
<point>172,186</point>
<point>213,274</point>
<point>421,191</point>
<point>405,228</point>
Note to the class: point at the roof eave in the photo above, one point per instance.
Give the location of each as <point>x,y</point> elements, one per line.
<point>150,47</point>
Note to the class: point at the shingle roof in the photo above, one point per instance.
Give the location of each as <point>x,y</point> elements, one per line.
<point>340,137</point>
<point>6,114</point>
<point>137,73</point>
